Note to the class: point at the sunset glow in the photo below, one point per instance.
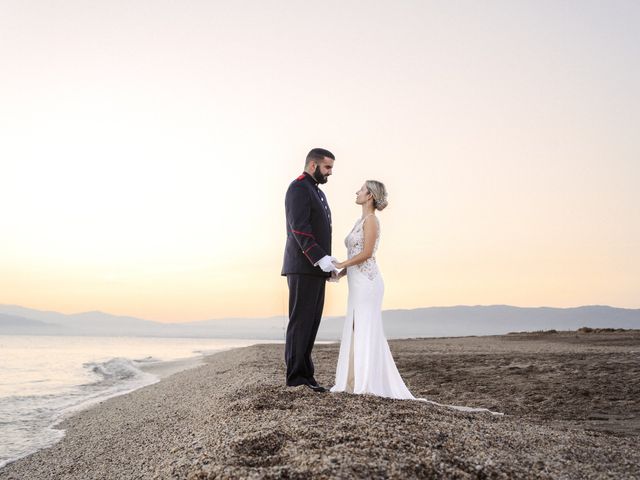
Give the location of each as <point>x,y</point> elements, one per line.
<point>145,149</point>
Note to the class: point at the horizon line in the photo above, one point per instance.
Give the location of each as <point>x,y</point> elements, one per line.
<point>327,316</point>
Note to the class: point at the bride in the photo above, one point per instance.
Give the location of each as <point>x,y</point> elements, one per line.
<point>365,364</point>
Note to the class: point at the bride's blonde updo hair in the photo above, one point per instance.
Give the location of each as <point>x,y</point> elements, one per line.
<point>379,192</point>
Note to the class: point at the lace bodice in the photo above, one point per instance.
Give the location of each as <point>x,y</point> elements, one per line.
<point>355,244</point>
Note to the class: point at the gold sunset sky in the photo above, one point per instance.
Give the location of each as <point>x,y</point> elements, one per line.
<point>145,148</point>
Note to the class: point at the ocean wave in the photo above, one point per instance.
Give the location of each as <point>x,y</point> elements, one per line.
<point>114,370</point>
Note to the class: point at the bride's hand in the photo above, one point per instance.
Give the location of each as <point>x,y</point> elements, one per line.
<point>339,265</point>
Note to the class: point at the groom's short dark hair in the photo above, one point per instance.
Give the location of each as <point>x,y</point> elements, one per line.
<point>318,154</point>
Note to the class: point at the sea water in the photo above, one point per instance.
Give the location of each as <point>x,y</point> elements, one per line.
<point>43,379</point>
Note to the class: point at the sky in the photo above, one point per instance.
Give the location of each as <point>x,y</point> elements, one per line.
<point>146,146</point>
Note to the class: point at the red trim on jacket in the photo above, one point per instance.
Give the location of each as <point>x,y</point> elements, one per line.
<point>314,245</point>
<point>303,233</point>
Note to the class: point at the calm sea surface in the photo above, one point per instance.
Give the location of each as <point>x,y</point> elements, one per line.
<point>45,378</point>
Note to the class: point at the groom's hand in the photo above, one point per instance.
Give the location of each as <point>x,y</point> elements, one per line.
<point>326,264</point>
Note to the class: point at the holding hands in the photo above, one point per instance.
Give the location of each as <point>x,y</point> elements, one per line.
<point>338,265</point>
<point>335,274</point>
<point>326,263</point>
<point>331,264</point>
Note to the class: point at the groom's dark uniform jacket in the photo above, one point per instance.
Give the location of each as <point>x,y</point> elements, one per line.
<point>308,227</point>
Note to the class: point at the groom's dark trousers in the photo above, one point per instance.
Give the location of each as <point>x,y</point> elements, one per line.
<point>308,240</point>
<point>306,300</point>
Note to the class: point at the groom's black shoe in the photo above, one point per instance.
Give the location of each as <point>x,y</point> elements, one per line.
<point>309,383</point>
<point>316,388</point>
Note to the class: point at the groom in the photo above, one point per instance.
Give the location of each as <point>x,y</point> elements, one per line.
<point>307,264</point>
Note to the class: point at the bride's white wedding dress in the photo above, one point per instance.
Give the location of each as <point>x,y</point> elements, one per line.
<point>365,364</point>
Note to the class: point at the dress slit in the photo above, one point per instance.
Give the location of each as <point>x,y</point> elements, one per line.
<point>351,373</point>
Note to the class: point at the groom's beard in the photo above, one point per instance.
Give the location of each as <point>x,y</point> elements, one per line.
<point>319,177</point>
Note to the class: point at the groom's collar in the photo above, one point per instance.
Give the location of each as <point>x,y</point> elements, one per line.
<point>308,176</point>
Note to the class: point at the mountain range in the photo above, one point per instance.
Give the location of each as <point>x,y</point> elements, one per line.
<point>420,322</point>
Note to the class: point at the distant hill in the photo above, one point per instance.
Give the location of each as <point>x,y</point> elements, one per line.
<point>501,319</point>
<point>13,324</point>
<point>421,322</point>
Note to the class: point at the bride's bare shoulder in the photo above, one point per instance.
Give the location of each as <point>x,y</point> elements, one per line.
<point>371,222</point>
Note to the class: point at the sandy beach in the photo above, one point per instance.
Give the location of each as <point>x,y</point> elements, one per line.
<point>571,404</point>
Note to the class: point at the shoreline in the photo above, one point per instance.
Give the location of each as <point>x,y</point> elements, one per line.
<point>149,372</point>
<point>157,371</point>
<point>231,416</point>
